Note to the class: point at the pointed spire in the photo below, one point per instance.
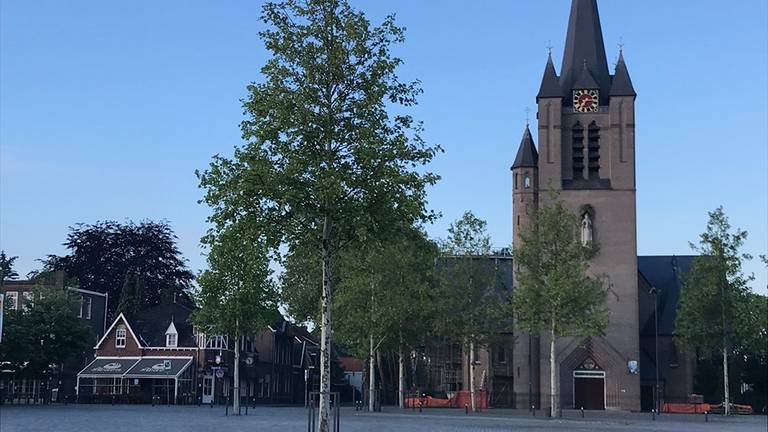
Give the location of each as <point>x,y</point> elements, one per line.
<point>584,44</point>
<point>550,84</point>
<point>527,156</point>
<point>622,84</point>
<point>585,79</point>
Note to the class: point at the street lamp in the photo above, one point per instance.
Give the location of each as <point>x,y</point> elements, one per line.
<point>655,291</point>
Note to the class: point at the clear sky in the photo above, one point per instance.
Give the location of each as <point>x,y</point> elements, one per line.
<point>107,109</point>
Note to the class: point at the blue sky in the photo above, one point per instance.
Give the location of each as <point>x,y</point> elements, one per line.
<point>107,109</point>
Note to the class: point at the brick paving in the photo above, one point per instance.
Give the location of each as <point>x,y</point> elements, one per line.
<point>107,418</point>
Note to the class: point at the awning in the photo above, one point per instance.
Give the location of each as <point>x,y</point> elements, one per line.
<point>159,367</point>
<point>108,367</point>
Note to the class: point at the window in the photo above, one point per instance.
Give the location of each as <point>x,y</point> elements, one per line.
<point>28,300</point>
<point>217,342</point>
<point>120,337</point>
<point>578,151</point>
<point>12,297</point>
<point>85,307</point>
<point>171,336</point>
<point>593,150</point>
<point>501,355</point>
<point>527,181</point>
<point>516,175</point>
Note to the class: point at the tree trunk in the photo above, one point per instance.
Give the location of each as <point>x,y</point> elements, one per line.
<point>472,398</point>
<point>236,389</point>
<point>726,393</point>
<point>401,378</point>
<point>325,333</point>
<point>554,399</point>
<point>371,377</point>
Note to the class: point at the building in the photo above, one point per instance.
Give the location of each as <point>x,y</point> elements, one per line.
<point>92,311</point>
<point>586,152</point>
<point>158,356</point>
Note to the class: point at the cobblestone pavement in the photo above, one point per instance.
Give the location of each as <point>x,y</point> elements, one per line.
<point>84,418</point>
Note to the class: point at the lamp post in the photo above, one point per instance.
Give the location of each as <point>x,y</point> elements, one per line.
<point>655,291</point>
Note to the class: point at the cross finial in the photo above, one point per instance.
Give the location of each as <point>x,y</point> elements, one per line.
<point>527,113</point>
<point>549,47</point>
<point>621,45</point>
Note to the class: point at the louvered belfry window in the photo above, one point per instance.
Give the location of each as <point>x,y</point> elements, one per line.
<point>578,151</point>
<point>593,150</point>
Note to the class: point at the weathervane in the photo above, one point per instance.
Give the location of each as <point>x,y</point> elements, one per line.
<point>527,112</point>
<point>549,47</point>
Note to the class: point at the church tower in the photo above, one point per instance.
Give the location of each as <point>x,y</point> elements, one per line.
<point>586,135</point>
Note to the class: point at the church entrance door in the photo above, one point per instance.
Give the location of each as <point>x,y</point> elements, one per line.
<point>589,390</point>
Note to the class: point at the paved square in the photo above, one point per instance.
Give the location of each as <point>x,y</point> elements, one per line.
<point>84,418</point>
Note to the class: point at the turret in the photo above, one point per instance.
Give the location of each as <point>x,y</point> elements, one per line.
<point>525,182</point>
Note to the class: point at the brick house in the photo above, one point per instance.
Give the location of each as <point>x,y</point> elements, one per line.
<point>92,311</point>
<point>158,356</point>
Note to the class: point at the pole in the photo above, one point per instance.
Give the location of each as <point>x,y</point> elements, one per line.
<point>726,396</point>
<point>656,343</point>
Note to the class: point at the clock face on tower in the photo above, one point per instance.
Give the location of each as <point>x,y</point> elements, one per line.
<point>585,100</point>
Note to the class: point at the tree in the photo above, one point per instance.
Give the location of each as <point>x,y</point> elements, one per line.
<point>131,295</point>
<point>236,296</point>
<point>382,297</point>
<point>102,255</point>
<point>554,295</point>
<point>324,163</point>
<point>468,288</point>
<point>44,334</point>
<point>6,267</point>
<point>714,314</point>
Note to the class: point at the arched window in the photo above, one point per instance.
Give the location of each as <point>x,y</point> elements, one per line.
<point>527,181</point>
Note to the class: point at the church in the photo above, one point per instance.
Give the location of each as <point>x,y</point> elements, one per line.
<point>586,152</point>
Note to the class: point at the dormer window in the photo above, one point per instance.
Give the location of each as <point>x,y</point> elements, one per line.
<point>171,336</point>
<point>120,334</point>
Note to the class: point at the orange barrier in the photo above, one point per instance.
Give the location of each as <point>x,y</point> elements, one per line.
<point>700,408</point>
<point>459,400</point>
<point>686,408</point>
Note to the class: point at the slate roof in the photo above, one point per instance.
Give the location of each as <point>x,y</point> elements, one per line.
<point>527,156</point>
<point>550,83</point>
<point>150,325</point>
<point>584,44</point>
<point>585,80</point>
<point>622,84</point>
<point>665,272</point>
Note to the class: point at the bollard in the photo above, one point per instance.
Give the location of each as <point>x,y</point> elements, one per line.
<point>246,409</point>
<point>533,410</point>
<point>653,414</point>
<point>582,412</point>
<point>113,400</point>
<point>706,416</point>
<point>466,409</point>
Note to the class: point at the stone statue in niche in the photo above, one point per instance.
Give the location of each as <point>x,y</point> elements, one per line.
<point>586,229</point>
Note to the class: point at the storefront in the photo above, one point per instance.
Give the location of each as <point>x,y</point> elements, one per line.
<point>163,380</point>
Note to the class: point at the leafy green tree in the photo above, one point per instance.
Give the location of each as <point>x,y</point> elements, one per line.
<point>470,301</point>
<point>6,267</point>
<point>101,255</point>
<point>382,296</point>
<point>554,295</point>
<point>46,333</point>
<point>324,163</point>
<point>715,313</point>
<point>237,296</point>
<point>131,295</point>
